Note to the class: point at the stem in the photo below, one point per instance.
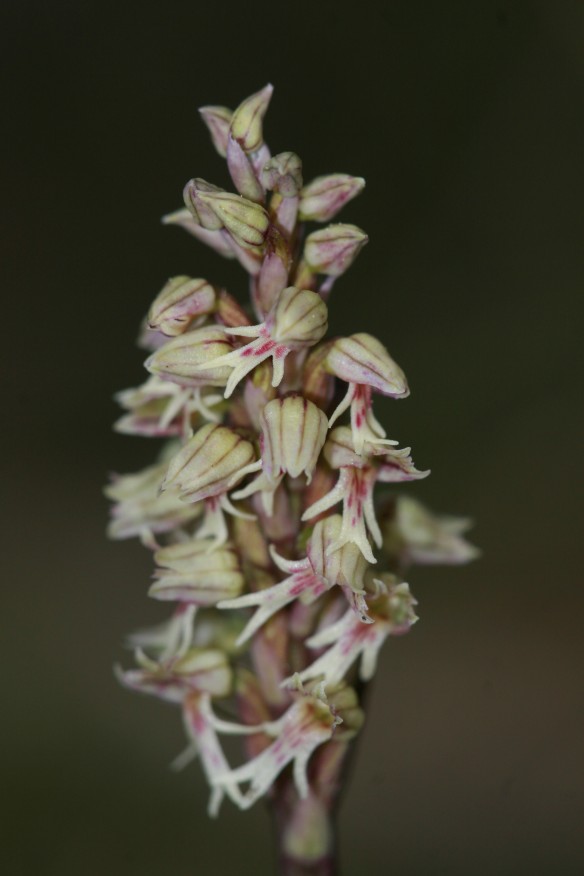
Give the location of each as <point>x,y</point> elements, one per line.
<point>305,834</point>
<point>305,830</point>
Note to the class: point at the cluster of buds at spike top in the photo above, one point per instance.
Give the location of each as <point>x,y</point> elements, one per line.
<point>271,585</point>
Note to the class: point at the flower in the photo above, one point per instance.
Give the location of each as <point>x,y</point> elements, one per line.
<point>316,613</point>
<point>354,488</point>
<point>210,464</point>
<point>417,535</point>
<point>322,199</point>
<point>141,510</point>
<point>178,303</point>
<point>189,573</point>
<point>365,364</point>
<point>392,613</point>
<point>297,319</point>
<point>308,723</point>
<point>293,433</point>
<point>308,578</point>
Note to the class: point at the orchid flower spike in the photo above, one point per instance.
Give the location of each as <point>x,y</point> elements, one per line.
<point>262,522</point>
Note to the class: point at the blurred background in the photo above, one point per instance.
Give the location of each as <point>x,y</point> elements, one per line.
<point>466,120</point>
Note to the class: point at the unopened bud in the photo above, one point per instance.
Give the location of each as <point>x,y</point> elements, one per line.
<point>317,383</point>
<point>246,124</point>
<point>229,311</point>
<point>217,120</point>
<point>210,463</point>
<point>299,318</point>
<point>180,300</point>
<point>247,221</point>
<point>362,359</point>
<point>200,211</point>
<point>140,508</point>
<point>283,174</point>
<point>332,250</point>
<point>183,359</point>
<point>294,431</point>
<point>345,566</point>
<point>322,199</point>
<point>273,275</point>
<point>189,572</point>
<point>242,172</point>
<point>339,450</point>
<point>258,392</point>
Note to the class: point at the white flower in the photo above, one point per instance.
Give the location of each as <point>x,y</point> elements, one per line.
<point>307,724</point>
<point>392,613</point>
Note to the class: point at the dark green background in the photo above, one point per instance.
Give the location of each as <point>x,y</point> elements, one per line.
<point>466,120</point>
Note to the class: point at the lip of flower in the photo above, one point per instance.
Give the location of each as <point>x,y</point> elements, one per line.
<point>357,479</point>
<point>298,318</point>
<point>308,723</point>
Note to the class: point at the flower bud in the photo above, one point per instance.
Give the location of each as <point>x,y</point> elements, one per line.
<point>180,300</point>
<point>246,123</point>
<point>345,566</point>
<point>229,311</point>
<point>293,431</point>
<point>140,509</point>
<point>273,275</point>
<point>299,318</point>
<point>191,573</point>
<point>200,211</point>
<point>317,383</point>
<point>210,463</point>
<point>183,358</point>
<point>417,535</point>
<point>322,199</point>
<point>332,250</point>
<point>245,220</point>
<point>217,120</point>
<point>363,359</point>
<point>258,392</point>
<point>283,174</point>
<point>340,451</point>
<point>242,172</point>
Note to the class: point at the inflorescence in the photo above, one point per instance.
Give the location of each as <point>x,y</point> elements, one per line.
<point>285,576</point>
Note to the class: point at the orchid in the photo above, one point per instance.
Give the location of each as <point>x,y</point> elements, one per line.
<point>262,517</point>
